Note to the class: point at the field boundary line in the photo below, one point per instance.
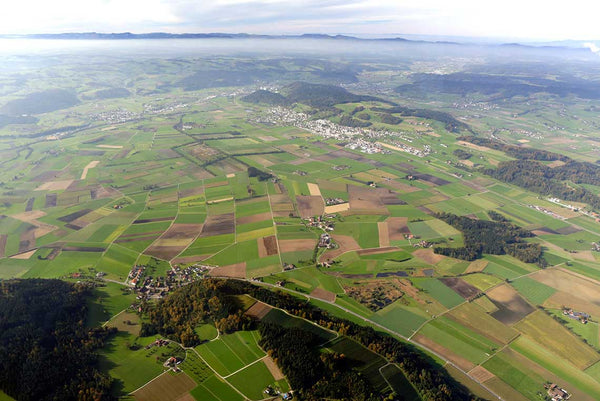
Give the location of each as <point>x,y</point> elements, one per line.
<point>239,370</point>
<point>139,388</point>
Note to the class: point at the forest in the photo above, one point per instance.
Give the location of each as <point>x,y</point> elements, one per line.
<point>492,237</point>
<point>313,375</point>
<point>515,151</point>
<point>46,352</point>
<point>544,180</point>
<point>451,124</point>
<point>187,306</point>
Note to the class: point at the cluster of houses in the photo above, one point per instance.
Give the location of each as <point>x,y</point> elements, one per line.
<point>135,275</point>
<point>547,211</point>
<point>288,266</point>
<point>556,392</point>
<point>158,287</point>
<point>272,392</point>
<point>334,201</point>
<point>323,222</point>
<point>356,138</point>
<point>571,314</point>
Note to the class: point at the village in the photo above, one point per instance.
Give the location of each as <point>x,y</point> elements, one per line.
<point>147,286</point>
<point>362,139</point>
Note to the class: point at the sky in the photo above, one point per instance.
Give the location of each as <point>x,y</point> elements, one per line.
<point>523,19</point>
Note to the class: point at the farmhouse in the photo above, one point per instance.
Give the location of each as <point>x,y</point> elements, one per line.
<point>324,241</point>
<point>581,316</point>
<point>557,393</point>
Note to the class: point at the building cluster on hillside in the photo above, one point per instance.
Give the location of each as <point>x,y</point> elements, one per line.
<point>556,392</point>
<point>472,105</point>
<point>411,149</point>
<point>356,138</point>
<point>571,314</point>
<point>115,116</point>
<point>547,211</point>
<point>154,108</point>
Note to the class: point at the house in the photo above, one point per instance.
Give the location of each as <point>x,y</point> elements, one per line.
<point>324,241</point>
<point>557,393</point>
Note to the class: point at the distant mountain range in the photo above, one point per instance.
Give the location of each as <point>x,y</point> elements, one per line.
<point>570,45</point>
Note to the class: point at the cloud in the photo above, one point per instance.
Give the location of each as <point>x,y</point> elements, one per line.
<point>509,18</point>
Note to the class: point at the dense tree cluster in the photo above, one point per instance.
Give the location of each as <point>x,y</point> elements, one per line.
<point>262,96</point>
<point>46,352</point>
<point>262,175</point>
<point>348,121</point>
<point>527,172</point>
<point>544,180</point>
<point>320,95</point>
<point>493,237</point>
<point>312,375</point>
<point>462,154</point>
<point>177,315</point>
<point>390,119</point>
<point>451,123</point>
<point>517,152</point>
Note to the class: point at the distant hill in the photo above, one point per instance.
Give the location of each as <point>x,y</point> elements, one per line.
<point>41,102</point>
<point>266,97</point>
<point>112,93</point>
<point>315,95</point>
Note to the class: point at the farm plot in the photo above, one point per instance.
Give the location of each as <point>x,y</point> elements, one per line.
<point>310,206</point>
<point>475,318</point>
<point>459,339</point>
<point>167,387</point>
<point>439,291</point>
<point>553,336</point>
<point>534,291</point>
<point>174,240</point>
<point>517,375</point>
<point>267,246</point>
<point>563,370</point>
<point>231,352</point>
<point>214,389</point>
<point>366,200</point>
<point>252,380</point>
<point>461,287</point>
<point>570,283</point>
<point>218,225</point>
<point>397,228</point>
<point>511,307</point>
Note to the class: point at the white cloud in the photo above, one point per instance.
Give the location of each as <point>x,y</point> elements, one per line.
<point>548,19</point>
